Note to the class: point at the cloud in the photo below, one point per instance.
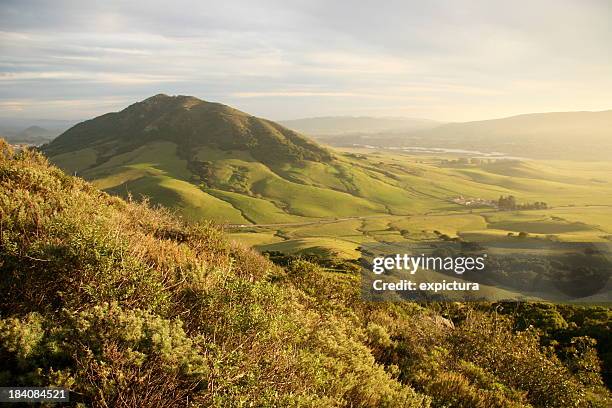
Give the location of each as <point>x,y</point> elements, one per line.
<point>100,77</point>
<point>290,94</point>
<point>461,60</point>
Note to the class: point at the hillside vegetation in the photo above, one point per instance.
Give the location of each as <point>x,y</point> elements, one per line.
<point>129,306</point>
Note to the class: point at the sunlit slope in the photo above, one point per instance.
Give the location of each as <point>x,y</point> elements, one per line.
<point>240,189</point>
<point>210,161</point>
<point>312,189</point>
<point>154,171</point>
<point>556,182</point>
<point>578,194</point>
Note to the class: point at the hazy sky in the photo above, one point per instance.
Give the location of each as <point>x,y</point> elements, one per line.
<point>446,60</point>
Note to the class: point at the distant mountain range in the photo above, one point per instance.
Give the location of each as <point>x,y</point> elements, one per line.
<point>35,135</point>
<point>339,125</point>
<point>558,135</point>
<point>32,131</point>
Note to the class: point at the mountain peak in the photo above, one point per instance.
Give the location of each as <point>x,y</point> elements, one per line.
<point>164,98</point>
<point>159,96</point>
<point>164,101</point>
<point>34,128</point>
<point>192,124</point>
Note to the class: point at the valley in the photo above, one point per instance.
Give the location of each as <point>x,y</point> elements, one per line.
<point>279,192</point>
<point>362,197</point>
<point>578,205</point>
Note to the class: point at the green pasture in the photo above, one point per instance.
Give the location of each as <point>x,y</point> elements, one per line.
<point>378,196</point>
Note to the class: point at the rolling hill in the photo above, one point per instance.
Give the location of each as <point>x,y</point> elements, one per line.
<point>280,191</point>
<point>339,125</point>
<point>209,160</point>
<point>129,306</point>
<point>34,135</point>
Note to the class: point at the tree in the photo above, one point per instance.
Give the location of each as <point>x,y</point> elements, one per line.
<point>507,203</point>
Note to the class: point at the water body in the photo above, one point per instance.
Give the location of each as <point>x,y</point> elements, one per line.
<point>443,150</point>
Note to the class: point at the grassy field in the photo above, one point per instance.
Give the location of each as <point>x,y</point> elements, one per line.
<point>579,196</point>
<point>361,196</point>
<point>550,224</point>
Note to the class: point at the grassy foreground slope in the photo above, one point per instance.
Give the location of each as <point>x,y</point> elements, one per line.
<point>128,306</point>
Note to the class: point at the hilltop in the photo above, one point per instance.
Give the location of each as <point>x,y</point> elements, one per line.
<point>211,161</point>
<point>47,129</point>
<point>191,124</point>
<point>35,135</point>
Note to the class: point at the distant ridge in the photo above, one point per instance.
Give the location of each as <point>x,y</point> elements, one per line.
<point>554,135</point>
<point>34,135</point>
<point>338,125</point>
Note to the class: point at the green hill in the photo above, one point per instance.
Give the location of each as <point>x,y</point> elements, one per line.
<point>191,124</point>
<point>212,161</point>
<point>129,306</point>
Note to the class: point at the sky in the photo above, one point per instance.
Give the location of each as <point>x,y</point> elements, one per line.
<point>454,60</point>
